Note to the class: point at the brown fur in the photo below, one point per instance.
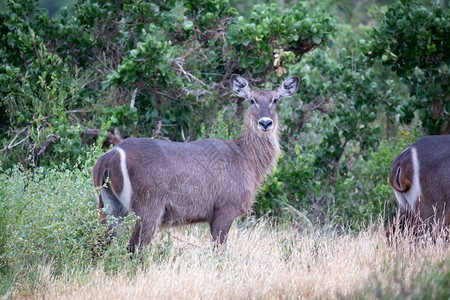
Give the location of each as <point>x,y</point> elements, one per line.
<point>210,180</point>
<point>431,211</point>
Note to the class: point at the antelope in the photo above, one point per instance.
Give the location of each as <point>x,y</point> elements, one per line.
<point>420,177</point>
<point>213,181</point>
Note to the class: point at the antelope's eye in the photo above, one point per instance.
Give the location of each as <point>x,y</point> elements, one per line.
<point>274,101</point>
<point>252,101</point>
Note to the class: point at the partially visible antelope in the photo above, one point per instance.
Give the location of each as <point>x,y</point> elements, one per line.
<point>212,180</point>
<point>420,177</point>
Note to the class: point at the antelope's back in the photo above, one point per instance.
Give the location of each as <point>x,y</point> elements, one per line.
<point>434,156</point>
<point>198,170</point>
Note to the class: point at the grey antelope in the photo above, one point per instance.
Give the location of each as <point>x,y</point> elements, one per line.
<point>212,180</point>
<point>420,177</point>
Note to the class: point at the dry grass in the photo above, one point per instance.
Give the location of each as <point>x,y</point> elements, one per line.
<point>263,262</point>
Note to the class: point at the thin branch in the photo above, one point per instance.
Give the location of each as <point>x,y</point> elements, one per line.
<point>12,145</point>
<point>179,62</point>
<point>114,139</point>
<point>20,142</point>
<point>92,131</point>
<point>191,50</point>
<point>51,138</point>
<point>336,163</point>
<point>315,104</point>
<point>212,74</point>
<point>74,111</point>
<point>133,97</point>
<point>164,95</point>
<point>186,243</point>
<point>158,132</point>
<point>117,135</point>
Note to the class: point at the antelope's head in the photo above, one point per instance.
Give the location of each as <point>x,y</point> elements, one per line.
<point>262,115</point>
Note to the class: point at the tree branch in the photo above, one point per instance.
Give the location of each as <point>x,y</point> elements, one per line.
<point>11,145</point>
<point>133,97</point>
<point>50,139</point>
<point>113,139</point>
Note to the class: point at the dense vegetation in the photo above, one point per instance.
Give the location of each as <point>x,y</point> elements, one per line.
<point>71,85</point>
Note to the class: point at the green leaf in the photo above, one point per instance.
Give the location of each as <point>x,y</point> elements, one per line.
<point>317,39</point>
<point>187,25</point>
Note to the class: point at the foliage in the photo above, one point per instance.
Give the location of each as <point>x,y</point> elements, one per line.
<point>299,29</point>
<point>414,39</point>
<point>221,128</point>
<point>169,61</point>
<point>46,215</point>
<point>290,183</point>
<point>328,153</point>
<point>365,195</point>
<point>40,91</point>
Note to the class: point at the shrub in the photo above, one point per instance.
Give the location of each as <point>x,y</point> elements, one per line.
<point>156,68</point>
<point>412,37</point>
<point>48,217</point>
<point>366,195</point>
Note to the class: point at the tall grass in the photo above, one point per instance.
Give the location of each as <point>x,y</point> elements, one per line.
<point>49,228</point>
<point>262,261</point>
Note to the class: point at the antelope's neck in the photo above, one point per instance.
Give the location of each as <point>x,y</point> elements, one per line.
<point>261,152</point>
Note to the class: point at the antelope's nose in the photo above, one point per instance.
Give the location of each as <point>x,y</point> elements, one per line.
<point>265,124</point>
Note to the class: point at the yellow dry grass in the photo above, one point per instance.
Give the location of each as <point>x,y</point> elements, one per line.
<point>263,262</point>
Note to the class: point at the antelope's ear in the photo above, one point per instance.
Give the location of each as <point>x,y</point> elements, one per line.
<point>240,86</point>
<point>288,87</point>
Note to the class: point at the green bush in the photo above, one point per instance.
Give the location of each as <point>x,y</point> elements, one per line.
<point>290,184</point>
<point>49,216</point>
<point>412,37</point>
<point>295,32</point>
<point>169,62</point>
<point>335,127</point>
<point>366,195</point>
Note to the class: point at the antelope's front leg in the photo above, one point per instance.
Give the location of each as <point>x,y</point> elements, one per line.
<point>220,226</point>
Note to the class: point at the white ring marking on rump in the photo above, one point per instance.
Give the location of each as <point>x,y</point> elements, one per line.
<point>125,196</point>
<point>414,193</point>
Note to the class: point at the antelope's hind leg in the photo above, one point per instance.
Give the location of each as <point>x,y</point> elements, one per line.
<point>112,208</point>
<point>150,217</point>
